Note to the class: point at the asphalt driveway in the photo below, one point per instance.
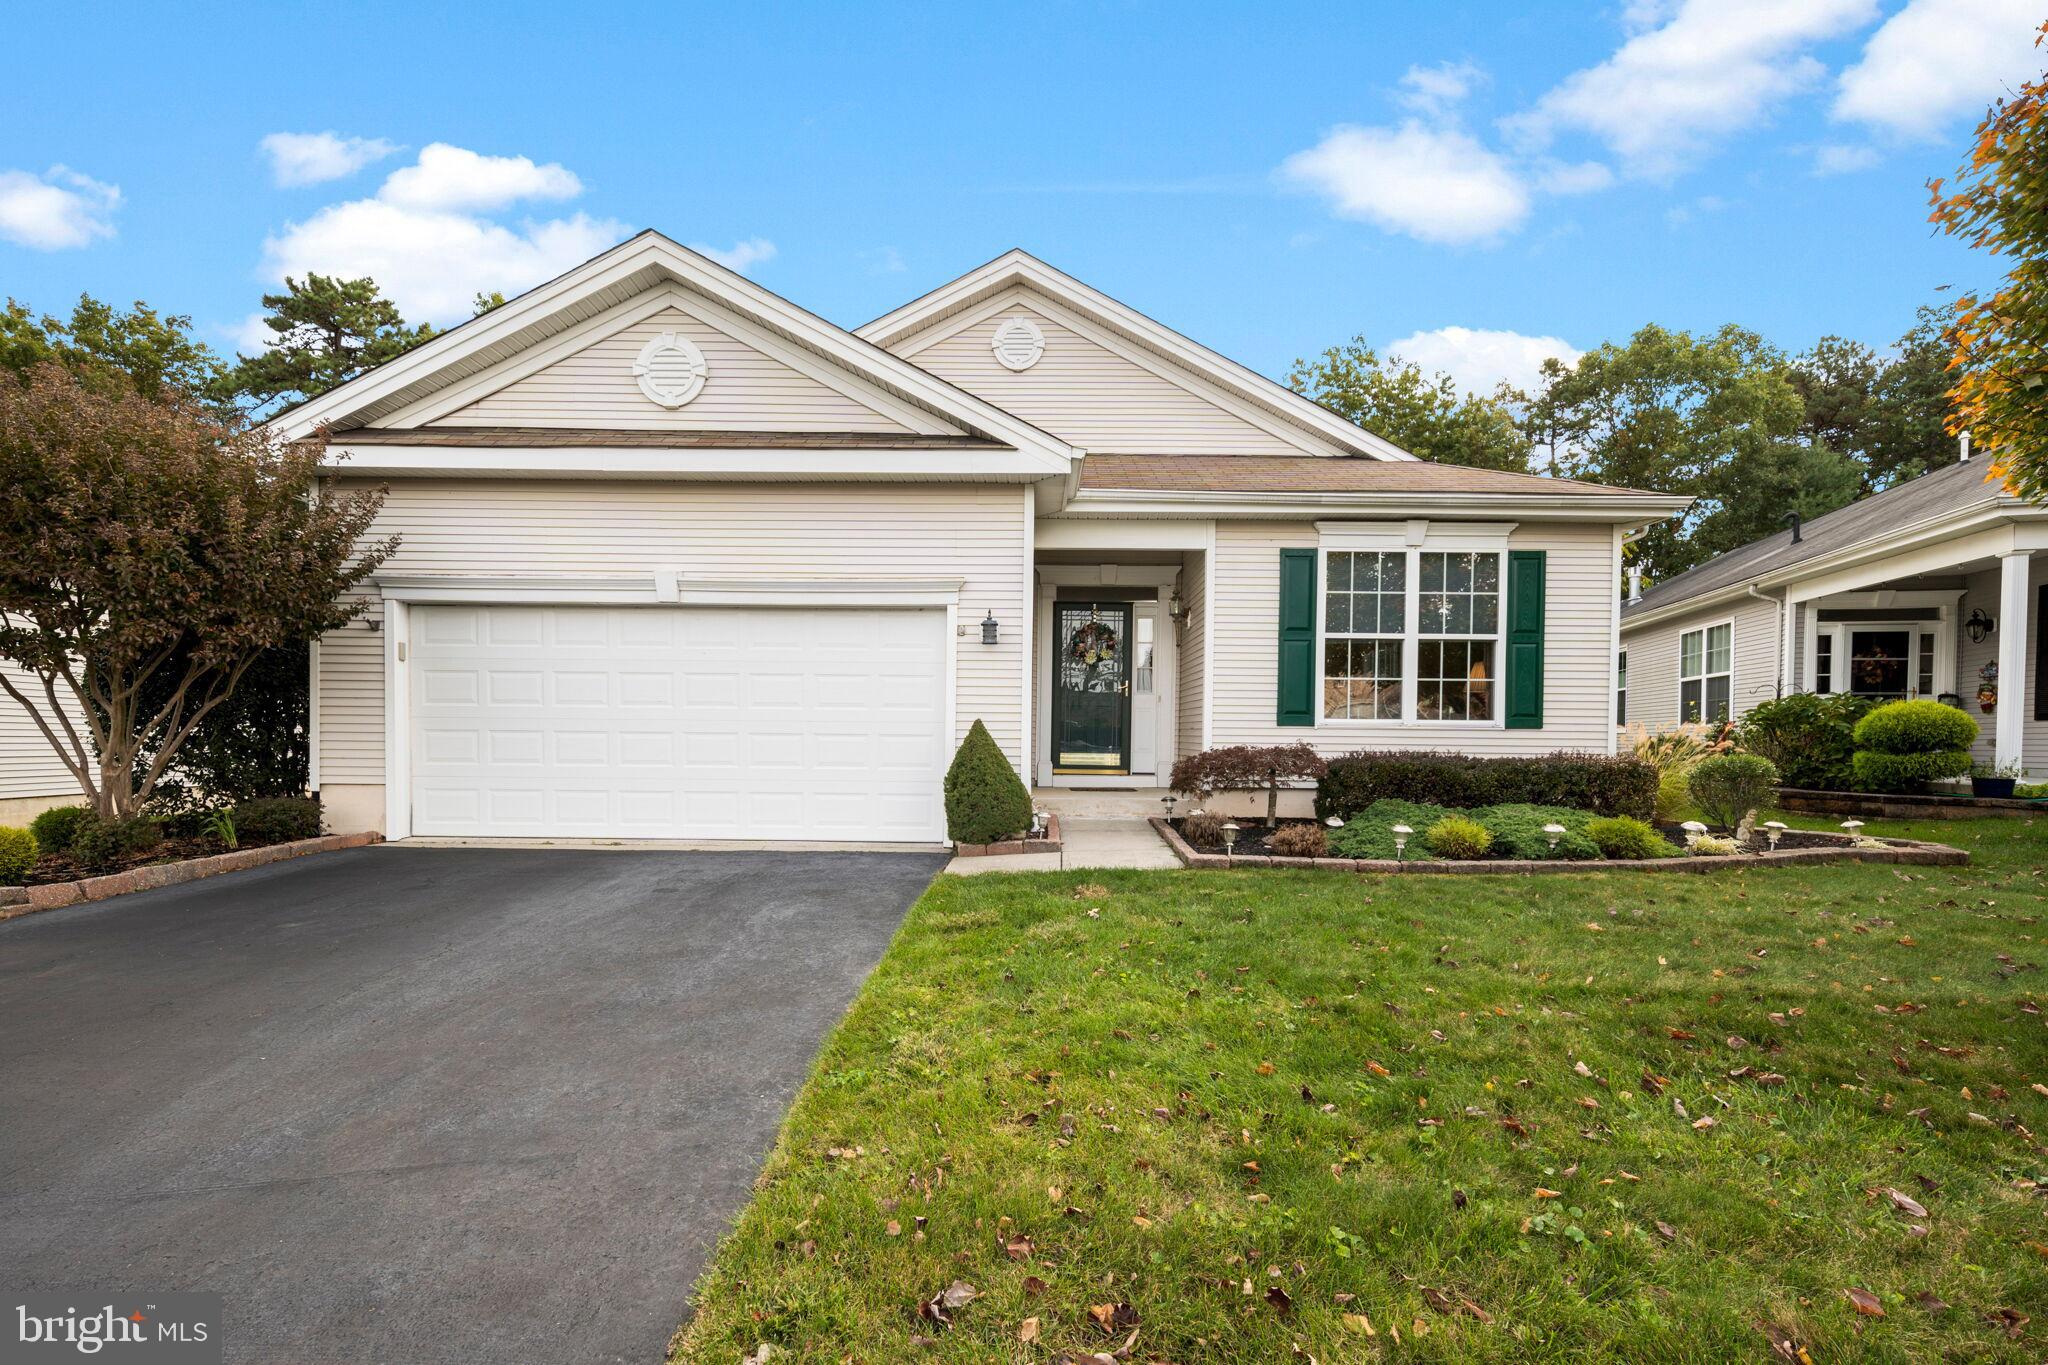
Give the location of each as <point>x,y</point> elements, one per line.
<point>421,1104</point>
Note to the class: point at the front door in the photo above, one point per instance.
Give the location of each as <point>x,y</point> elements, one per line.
<point>1091,687</point>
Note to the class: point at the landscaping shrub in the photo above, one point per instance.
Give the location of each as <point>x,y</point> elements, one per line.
<point>100,845</point>
<point>984,800</point>
<point>1727,787</point>
<point>1517,831</point>
<point>1367,834</point>
<point>17,855</point>
<point>1458,836</point>
<point>1299,841</point>
<point>1903,745</point>
<point>1202,830</point>
<point>1810,737</point>
<point>281,819</point>
<point>1674,798</point>
<point>1622,836</point>
<point>1713,845</point>
<point>1589,782</point>
<point>1246,767</point>
<point>54,827</point>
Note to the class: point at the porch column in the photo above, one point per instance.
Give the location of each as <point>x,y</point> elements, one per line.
<point>2012,656</point>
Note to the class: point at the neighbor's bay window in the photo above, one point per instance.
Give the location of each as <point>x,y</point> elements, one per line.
<point>1706,673</point>
<point>1411,632</point>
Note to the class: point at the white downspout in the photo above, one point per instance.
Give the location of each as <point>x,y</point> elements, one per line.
<point>1784,628</point>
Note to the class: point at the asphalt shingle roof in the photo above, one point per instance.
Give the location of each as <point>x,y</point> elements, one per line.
<point>1314,474</point>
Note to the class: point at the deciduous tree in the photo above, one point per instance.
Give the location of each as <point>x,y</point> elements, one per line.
<point>150,352</point>
<point>139,538</point>
<point>1426,415</point>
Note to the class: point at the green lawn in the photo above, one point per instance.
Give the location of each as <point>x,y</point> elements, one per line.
<point>1250,1104</point>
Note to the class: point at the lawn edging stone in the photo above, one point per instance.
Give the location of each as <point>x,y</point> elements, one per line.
<point>26,900</point>
<point>1049,844</point>
<point>1911,851</point>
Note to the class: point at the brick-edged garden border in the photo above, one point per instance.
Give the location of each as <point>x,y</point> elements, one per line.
<point>1895,851</point>
<point>26,900</point>
<point>1049,844</point>
<point>1920,807</point>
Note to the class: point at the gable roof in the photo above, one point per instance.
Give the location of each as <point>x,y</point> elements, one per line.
<point>1950,493</point>
<point>614,279</point>
<point>1016,268</point>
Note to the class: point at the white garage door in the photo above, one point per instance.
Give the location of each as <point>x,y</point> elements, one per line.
<point>678,722</point>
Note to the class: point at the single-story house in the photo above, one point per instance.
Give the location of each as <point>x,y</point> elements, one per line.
<point>1913,592</point>
<point>682,559</point>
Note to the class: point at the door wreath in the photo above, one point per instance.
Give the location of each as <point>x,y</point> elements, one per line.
<point>1092,644</point>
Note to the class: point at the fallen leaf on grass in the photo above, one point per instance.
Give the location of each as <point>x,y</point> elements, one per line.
<point>2008,1321</point>
<point>1905,1203</point>
<point>1033,1285</point>
<point>1113,1317</point>
<point>1702,1125</point>
<point>941,1306</point>
<point>1666,1231</point>
<point>763,1353</point>
<point>1282,1302</point>
<point>1018,1248</point>
<point>1783,1344</point>
<point>1865,1302</point>
<point>1359,1322</point>
<point>1930,1302</point>
<point>1027,1331</point>
<point>1542,1193</point>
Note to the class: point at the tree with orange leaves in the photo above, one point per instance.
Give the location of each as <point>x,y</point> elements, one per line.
<point>1999,204</point>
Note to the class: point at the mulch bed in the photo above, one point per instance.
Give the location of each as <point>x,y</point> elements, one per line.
<point>156,869</point>
<point>1047,842</point>
<point>59,867</point>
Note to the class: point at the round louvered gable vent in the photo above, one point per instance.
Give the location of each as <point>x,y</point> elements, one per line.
<point>1018,343</point>
<point>671,369</point>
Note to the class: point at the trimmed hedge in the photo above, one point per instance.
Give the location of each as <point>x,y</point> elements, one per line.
<point>1585,782</point>
<point>1810,737</point>
<point>1903,745</point>
<point>275,820</point>
<point>17,855</point>
<point>1727,787</point>
<point>1514,830</point>
<point>54,827</point>
<point>99,845</point>
<point>985,801</point>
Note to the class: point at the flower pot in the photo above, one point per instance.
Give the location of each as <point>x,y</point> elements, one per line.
<point>1998,787</point>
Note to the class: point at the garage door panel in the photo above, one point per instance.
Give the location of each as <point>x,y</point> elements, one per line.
<point>678,722</point>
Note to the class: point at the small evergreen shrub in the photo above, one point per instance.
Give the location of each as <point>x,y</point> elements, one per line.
<point>1727,787</point>
<point>1903,745</point>
<point>1458,837</point>
<point>985,801</point>
<point>1622,836</point>
<point>1299,841</point>
<point>275,820</point>
<point>1590,782</point>
<point>1517,831</point>
<point>17,855</point>
<point>1368,834</point>
<point>1810,737</point>
<point>54,827</point>
<point>99,845</point>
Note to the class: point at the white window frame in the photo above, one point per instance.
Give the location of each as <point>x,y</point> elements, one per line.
<point>1705,674</point>
<point>1415,538</point>
<point>1621,687</point>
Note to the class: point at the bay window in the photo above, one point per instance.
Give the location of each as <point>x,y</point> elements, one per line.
<point>1706,673</point>
<point>1411,632</point>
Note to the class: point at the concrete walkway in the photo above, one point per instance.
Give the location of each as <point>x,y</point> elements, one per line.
<point>1090,842</point>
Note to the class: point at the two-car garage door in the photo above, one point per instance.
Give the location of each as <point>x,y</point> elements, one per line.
<point>678,722</point>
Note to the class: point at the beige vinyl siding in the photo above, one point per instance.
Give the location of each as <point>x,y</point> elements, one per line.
<point>28,765</point>
<point>744,390</point>
<point>1578,649</point>
<point>975,533</point>
<point>1653,660</point>
<point>1188,702</point>
<point>1092,397</point>
<point>1983,591</point>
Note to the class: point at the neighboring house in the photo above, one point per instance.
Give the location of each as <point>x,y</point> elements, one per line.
<point>1908,593</point>
<point>681,559</point>
<point>32,779</point>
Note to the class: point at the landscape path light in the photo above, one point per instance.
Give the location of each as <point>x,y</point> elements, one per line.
<point>1773,829</point>
<point>1553,832</point>
<point>1401,833</point>
<point>1693,830</point>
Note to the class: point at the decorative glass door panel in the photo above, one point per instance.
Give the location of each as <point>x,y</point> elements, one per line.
<point>1091,687</point>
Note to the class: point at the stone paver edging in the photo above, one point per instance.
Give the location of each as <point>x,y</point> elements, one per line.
<point>1006,847</point>
<point>1924,806</point>
<point>1895,851</point>
<point>26,900</point>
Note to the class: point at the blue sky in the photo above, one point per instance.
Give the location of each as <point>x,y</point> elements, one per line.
<point>1484,182</point>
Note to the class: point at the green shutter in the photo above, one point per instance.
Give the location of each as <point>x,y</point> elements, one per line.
<point>1525,640</point>
<point>1297,681</point>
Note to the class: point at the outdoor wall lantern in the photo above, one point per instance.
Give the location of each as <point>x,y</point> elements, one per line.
<point>988,629</point>
<point>1979,625</point>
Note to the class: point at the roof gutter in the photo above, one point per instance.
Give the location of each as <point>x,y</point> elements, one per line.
<point>1628,509</point>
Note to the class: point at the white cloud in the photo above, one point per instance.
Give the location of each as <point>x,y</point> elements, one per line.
<point>1839,159</point>
<point>449,178</point>
<point>740,255</point>
<point>1710,68</point>
<point>56,210</point>
<point>1435,184</point>
<point>1936,60</point>
<point>311,158</point>
<point>1579,177</point>
<point>1480,359</point>
<point>1435,89</point>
